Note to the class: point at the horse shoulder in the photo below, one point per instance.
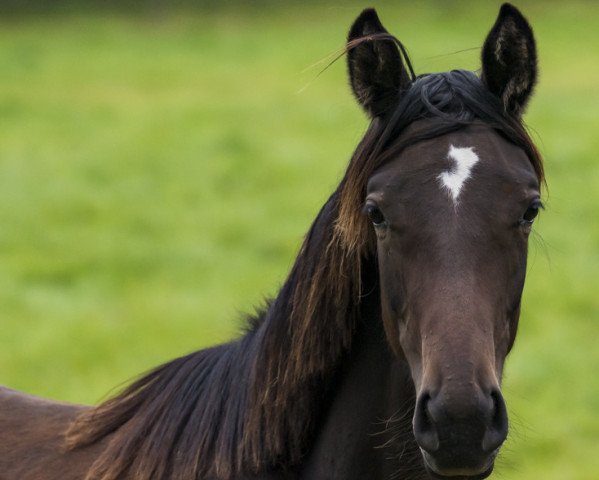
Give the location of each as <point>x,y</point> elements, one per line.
<point>32,444</point>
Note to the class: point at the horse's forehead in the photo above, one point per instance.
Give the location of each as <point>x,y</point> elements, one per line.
<point>473,147</point>
<point>457,161</point>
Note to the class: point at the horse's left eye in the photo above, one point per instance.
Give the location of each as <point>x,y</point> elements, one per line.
<point>531,213</point>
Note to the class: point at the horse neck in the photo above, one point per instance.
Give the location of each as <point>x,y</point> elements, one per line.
<point>366,431</point>
<point>300,342</point>
<point>323,365</point>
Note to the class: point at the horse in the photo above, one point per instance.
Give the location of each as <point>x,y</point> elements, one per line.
<point>381,356</point>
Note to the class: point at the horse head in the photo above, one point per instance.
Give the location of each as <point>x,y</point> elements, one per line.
<point>453,187</point>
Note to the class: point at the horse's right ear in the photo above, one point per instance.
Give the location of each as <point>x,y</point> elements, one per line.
<point>376,70</point>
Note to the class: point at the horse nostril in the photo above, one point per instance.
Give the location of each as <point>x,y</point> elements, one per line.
<point>498,427</point>
<point>424,429</point>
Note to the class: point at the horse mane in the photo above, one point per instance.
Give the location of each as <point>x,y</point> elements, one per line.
<point>253,404</point>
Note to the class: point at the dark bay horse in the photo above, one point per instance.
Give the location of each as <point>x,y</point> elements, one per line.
<point>381,357</point>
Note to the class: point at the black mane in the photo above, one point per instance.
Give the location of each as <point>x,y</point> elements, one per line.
<point>252,404</point>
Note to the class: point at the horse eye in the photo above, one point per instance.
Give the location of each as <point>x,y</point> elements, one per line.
<point>375,215</point>
<point>531,213</point>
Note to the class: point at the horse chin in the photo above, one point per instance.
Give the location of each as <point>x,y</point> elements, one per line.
<point>453,473</point>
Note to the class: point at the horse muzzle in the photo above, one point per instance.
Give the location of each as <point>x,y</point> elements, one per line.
<point>460,435</point>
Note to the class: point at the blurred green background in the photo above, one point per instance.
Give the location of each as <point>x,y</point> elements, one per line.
<point>160,164</point>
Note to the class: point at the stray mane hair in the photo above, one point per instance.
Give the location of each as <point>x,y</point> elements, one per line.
<point>251,405</point>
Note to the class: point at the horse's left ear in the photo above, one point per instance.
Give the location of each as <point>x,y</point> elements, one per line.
<point>376,68</point>
<point>509,59</point>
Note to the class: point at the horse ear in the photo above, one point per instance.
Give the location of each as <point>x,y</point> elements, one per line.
<point>376,70</point>
<point>509,59</point>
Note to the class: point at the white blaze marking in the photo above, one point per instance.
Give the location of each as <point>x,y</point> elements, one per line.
<point>453,180</point>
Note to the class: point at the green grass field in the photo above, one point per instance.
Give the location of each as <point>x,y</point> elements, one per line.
<point>158,172</point>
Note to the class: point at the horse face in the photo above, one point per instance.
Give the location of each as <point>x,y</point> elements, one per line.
<point>452,217</point>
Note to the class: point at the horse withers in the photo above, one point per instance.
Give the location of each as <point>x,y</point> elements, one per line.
<point>382,354</point>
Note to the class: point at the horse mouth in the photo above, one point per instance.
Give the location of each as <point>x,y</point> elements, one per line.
<point>453,473</point>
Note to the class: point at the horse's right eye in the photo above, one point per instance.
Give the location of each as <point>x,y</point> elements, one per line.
<point>375,215</point>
